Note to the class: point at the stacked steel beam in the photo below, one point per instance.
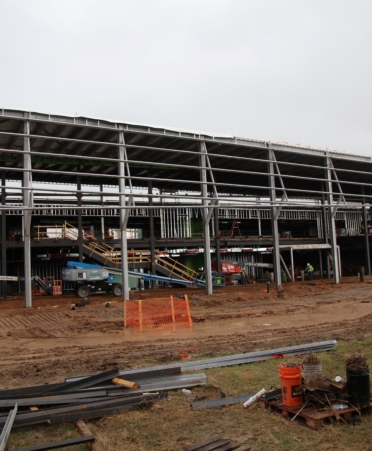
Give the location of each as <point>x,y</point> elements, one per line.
<point>91,396</point>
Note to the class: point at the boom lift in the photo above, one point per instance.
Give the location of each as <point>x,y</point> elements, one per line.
<point>92,279</point>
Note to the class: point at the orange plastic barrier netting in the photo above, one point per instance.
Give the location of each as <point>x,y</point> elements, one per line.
<point>158,314</point>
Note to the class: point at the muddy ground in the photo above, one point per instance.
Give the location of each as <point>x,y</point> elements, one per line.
<point>50,341</point>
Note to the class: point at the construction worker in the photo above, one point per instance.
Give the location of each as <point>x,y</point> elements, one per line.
<point>309,269</point>
<point>244,277</point>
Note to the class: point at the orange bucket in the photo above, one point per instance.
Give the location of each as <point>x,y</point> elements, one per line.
<point>290,380</point>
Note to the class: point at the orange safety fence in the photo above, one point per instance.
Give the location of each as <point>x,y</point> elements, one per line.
<point>158,314</point>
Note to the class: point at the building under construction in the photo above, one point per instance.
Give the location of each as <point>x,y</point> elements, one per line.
<point>133,197</point>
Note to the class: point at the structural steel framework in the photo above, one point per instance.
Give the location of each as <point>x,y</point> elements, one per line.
<point>162,169</point>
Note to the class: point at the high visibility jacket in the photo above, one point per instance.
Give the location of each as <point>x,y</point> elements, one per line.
<point>309,269</point>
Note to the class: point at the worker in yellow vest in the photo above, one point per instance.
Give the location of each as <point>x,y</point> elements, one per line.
<point>310,270</point>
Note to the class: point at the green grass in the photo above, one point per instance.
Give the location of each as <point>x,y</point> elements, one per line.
<point>173,425</point>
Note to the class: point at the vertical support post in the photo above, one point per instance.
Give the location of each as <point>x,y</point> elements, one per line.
<point>103,211</point>
<point>188,310</point>
<point>152,229</point>
<point>173,316</point>
<point>218,242</point>
<point>332,223</point>
<point>259,222</point>
<point>27,203</point>
<point>4,269</point>
<point>80,218</point>
<point>123,215</point>
<point>320,263</point>
<point>172,309</point>
<point>125,313</point>
<point>292,265</point>
<point>366,237</point>
<point>274,219</point>
<point>206,233</point>
<point>140,315</point>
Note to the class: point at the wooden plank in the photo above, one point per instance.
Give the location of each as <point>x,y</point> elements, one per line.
<point>229,447</point>
<point>311,416</point>
<point>201,444</point>
<point>125,383</point>
<point>85,432</point>
<point>215,446</point>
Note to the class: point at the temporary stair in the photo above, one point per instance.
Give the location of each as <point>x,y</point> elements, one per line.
<point>48,289</point>
<point>111,257</point>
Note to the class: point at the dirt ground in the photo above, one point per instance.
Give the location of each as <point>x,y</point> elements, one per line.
<point>48,342</point>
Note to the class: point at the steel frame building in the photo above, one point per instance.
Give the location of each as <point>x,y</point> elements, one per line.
<point>77,166</point>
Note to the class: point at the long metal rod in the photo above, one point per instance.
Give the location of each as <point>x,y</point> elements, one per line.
<point>96,124</point>
<point>7,428</point>
<point>183,152</point>
<point>164,149</point>
<point>184,182</point>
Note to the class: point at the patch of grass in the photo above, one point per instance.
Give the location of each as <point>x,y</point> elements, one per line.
<point>173,425</point>
<point>41,434</point>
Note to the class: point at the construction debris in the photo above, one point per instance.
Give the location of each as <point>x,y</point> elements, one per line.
<point>7,427</point>
<point>357,361</point>
<point>213,404</point>
<point>216,443</point>
<point>93,396</point>
<point>85,432</point>
<point>60,444</point>
<point>311,359</point>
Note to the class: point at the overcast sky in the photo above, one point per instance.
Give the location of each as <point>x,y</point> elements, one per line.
<point>295,71</point>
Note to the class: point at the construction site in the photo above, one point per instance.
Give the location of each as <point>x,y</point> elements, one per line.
<point>106,225</point>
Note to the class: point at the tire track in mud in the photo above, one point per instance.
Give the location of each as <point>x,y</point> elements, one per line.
<point>39,363</point>
<point>47,366</point>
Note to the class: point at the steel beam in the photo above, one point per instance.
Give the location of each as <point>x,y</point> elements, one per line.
<point>4,268</point>
<point>7,428</point>
<point>206,218</point>
<point>123,215</point>
<point>274,219</point>
<point>58,445</point>
<point>331,219</point>
<point>27,202</point>
<point>80,219</point>
<point>366,234</point>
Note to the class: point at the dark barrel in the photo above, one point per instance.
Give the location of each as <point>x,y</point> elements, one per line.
<point>358,387</point>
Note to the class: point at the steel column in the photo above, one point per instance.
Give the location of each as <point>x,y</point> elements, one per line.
<point>331,217</point>
<point>4,269</point>
<point>274,219</point>
<point>27,203</point>
<point>205,216</point>
<point>292,266</point>
<point>152,229</point>
<point>79,196</point>
<point>366,237</point>
<point>123,215</point>
<point>218,241</point>
<point>102,214</point>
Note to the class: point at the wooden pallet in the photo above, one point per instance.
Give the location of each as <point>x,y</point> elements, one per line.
<point>313,417</point>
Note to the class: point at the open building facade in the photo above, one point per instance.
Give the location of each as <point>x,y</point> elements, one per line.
<point>124,195</point>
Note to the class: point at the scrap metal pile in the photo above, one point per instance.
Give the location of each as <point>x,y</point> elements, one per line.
<point>315,398</point>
